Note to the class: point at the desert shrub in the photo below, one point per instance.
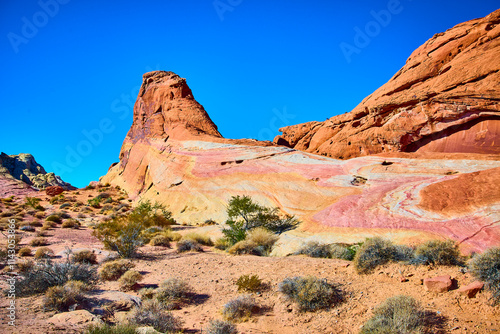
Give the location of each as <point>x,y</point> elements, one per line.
<point>310,293</point>
<point>259,242</point>
<point>54,218</point>
<point>34,202</point>
<point>111,271</point>
<point>25,251</point>
<point>60,298</point>
<point>374,252</point>
<point>41,233</point>
<point>338,251</point>
<point>63,214</point>
<point>25,266</point>
<point>199,238</point>
<point>107,209</point>
<point>151,313</point>
<point>222,244</point>
<point>245,215</point>
<point>150,232</point>
<point>221,327</point>
<point>94,202</point>
<point>403,253</point>
<point>43,275</point>
<point>129,280</point>
<point>120,235</point>
<point>152,214</point>
<point>188,245</point>
<point>65,205</point>
<point>240,308</point>
<point>173,292</point>
<point>437,252</point>
<point>160,240</point>
<point>57,199</point>
<point>249,283</point>
<point>39,242</point>
<point>109,329</point>
<point>81,215</point>
<point>70,223</point>
<point>486,267</point>
<point>104,195</point>
<point>44,252</point>
<point>399,314</point>
<point>39,215</point>
<point>315,249</point>
<point>147,293</point>
<point>84,256</point>
<point>36,223</point>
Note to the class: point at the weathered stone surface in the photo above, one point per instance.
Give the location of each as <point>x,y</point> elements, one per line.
<point>54,190</point>
<point>23,167</point>
<point>471,289</point>
<point>438,284</point>
<point>78,317</point>
<point>195,173</point>
<point>445,99</point>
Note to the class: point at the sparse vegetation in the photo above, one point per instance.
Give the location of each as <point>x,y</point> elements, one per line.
<point>258,242</point>
<point>199,238</point>
<point>221,327</point>
<point>44,253</point>
<point>39,241</point>
<point>173,292</point>
<point>374,252</point>
<point>399,314</point>
<point>84,256</point>
<point>54,218</point>
<point>438,252</point>
<point>310,293</point>
<point>249,283</point>
<point>335,251</point>
<point>486,267</point>
<point>25,251</point>
<point>34,202</point>
<point>129,280</point>
<point>95,202</point>
<point>160,240</point>
<point>151,313</point>
<point>240,308</point>
<point>43,275</point>
<point>188,245</point>
<point>112,271</point>
<point>109,329</point>
<point>71,223</point>
<point>60,298</point>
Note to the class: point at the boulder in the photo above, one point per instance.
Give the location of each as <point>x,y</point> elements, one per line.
<point>438,284</point>
<point>471,289</point>
<point>78,317</point>
<point>54,190</point>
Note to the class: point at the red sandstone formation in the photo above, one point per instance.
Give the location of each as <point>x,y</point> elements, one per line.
<point>54,190</point>
<point>445,99</point>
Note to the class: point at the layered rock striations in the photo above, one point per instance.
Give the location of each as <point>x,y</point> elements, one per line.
<point>445,99</point>
<point>174,154</point>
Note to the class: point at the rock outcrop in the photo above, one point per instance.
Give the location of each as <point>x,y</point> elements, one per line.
<point>445,99</point>
<point>20,174</point>
<point>174,154</point>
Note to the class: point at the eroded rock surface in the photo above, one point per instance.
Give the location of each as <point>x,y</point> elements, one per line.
<point>445,99</point>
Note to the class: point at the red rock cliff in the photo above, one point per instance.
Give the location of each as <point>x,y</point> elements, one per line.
<point>445,99</point>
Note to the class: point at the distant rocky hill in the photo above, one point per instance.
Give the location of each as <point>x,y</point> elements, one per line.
<point>21,174</point>
<point>445,99</point>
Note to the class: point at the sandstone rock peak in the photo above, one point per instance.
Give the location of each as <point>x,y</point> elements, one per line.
<point>445,99</point>
<point>165,107</point>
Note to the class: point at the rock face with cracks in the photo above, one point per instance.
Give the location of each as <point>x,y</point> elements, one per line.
<point>445,99</point>
<point>174,154</point>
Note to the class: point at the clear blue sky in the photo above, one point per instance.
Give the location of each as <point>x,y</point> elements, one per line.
<point>254,65</point>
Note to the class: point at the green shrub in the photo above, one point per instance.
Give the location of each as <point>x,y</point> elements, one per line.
<point>310,293</point>
<point>437,252</point>
<point>44,253</point>
<point>151,313</point>
<point>94,202</point>
<point>84,256</point>
<point>113,270</point>
<point>342,252</point>
<point>374,252</point>
<point>109,329</point>
<point>160,240</point>
<point>222,244</point>
<point>147,293</point>
<point>173,292</point>
<point>399,314</point>
<point>188,245</point>
<point>240,308</point>
<point>486,267</point>
<point>403,253</point>
<point>121,235</point>
<point>199,238</point>
<point>41,276</point>
<point>249,283</point>
<point>34,202</point>
<point>315,249</point>
<point>221,327</point>
<point>25,251</point>
<point>129,280</point>
<point>54,218</point>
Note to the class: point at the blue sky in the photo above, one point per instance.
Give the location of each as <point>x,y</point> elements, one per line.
<point>71,68</point>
